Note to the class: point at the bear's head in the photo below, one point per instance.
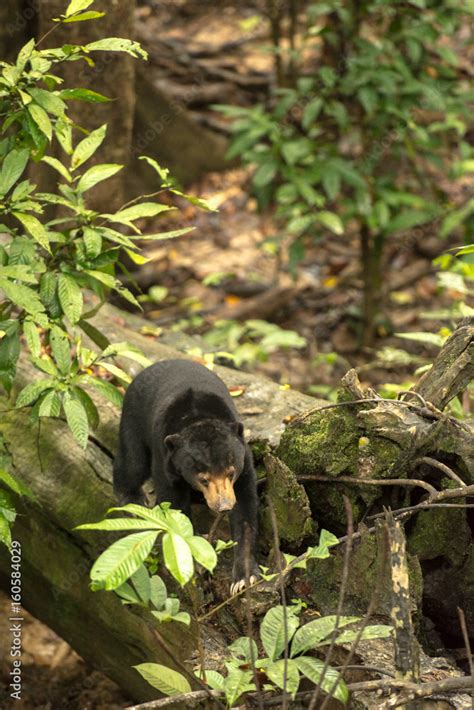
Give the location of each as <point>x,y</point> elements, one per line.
<point>209,455</point>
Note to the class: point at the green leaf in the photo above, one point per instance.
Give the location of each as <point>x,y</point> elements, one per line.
<point>50,405</point>
<point>30,331</point>
<point>41,119</point>
<point>58,166</point>
<point>272,630</point>
<point>141,583</point>
<point>128,594</point>
<point>311,112</point>
<point>158,592</point>
<point>49,101</point>
<point>213,679</point>
<point>117,44</point>
<point>168,681</point>
<point>236,683</point>
<point>119,561</point>
<point>331,221</point>
<point>161,236</point>
<point>276,673</point>
<point>16,486</point>
<point>89,406</point>
<point>76,418</point>
<point>83,95</point>
<point>244,648</point>
<point>35,228</point>
<point>87,147</point>
<point>107,389</point>
<point>127,350</point>
<point>265,174</point>
<point>203,552</point>
<point>94,334</point>
<point>178,558</point>
<point>19,272</point>
<point>120,374</point>
<point>312,668</point>
<point>120,524</point>
<point>92,241</point>
<point>144,209</point>
<point>294,151</point>
<point>61,349</point>
<point>312,634</point>
<point>70,297</point>
<point>12,168</point>
<point>77,6</point>
<point>430,338</point>
<point>408,219</point>
<point>91,15</point>
<point>96,174</point>
<point>24,297</point>
<point>370,632</point>
<point>31,392</point>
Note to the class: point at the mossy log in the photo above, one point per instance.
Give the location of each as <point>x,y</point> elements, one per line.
<point>386,454</point>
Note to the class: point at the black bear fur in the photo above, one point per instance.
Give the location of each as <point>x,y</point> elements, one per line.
<point>179,425</point>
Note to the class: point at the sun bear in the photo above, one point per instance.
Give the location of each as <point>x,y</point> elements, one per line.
<point>179,425</point>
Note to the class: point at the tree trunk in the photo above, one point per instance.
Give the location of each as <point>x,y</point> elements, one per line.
<point>113,75</point>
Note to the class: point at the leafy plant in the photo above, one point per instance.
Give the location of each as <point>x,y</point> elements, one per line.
<point>7,504</point>
<point>253,340</point>
<point>354,148</point>
<point>47,264</point>
<point>280,630</point>
<point>123,558</point>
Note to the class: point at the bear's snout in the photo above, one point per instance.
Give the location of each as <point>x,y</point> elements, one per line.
<point>219,493</point>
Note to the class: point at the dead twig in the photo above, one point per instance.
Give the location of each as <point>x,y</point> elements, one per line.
<point>467,643</point>
<point>441,467</point>
<point>412,482</point>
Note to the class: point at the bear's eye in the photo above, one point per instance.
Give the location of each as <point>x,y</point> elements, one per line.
<point>203,480</point>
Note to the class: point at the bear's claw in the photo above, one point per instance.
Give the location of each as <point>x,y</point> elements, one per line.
<point>240,585</point>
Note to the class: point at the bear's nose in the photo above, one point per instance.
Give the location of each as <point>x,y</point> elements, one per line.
<point>224,505</point>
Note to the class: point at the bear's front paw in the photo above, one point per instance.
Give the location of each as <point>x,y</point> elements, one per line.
<point>240,580</point>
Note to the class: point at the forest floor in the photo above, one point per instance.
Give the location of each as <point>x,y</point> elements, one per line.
<point>322,302</point>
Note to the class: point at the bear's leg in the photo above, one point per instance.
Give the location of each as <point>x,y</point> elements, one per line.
<point>243,520</point>
<point>131,469</point>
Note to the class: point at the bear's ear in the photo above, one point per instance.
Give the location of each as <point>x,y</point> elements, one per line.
<point>237,428</point>
<point>172,441</point>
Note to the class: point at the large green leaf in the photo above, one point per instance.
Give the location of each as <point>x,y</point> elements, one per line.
<point>41,119</point>
<point>289,682</point>
<point>141,583</point>
<point>30,331</point>
<point>58,166</point>
<point>77,6</point>
<point>35,228</point>
<point>51,405</point>
<point>70,297</point>
<point>144,209</point>
<point>203,552</point>
<point>23,297</point>
<point>312,634</point>
<point>107,389</point>
<point>244,648</point>
<point>312,668</point>
<point>117,44</point>
<point>31,392</point>
<point>88,146</point>
<point>168,681</point>
<point>237,681</point>
<point>121,524</point>
<point>272,630</point>
<point>76,417</point>
<point>12,168</point>
<point>16,486</point>
<point>119,561</point>
<point>178,557</point>
<point>96,174</point>
<point>61,349</point>
<point>378,631</point>
<point>158,592</point>
<point>91,15</point>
